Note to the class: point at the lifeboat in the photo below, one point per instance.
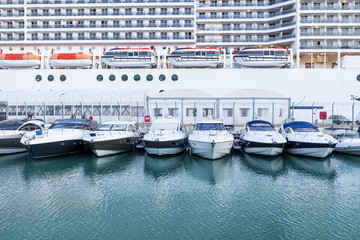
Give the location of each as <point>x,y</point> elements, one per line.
<point>196,57</point>
<point>19,60</point>
<point>70,60</point>
<point>129,58</point>
<point>263,57</point>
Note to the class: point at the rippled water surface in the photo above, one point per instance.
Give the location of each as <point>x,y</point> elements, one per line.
<point>137,196</point>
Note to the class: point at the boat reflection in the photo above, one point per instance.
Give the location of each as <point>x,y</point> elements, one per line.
<point>352,160</point>
<point>108,164</point>
<point>13,159</point>
<point>54,166</point>
<point>268,165</point>
<point>312,166</point>
<point>159,166</point>
<point>211,171</point>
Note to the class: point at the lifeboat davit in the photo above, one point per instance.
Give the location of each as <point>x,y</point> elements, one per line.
<point>70,60</point>
<point>19,60</point>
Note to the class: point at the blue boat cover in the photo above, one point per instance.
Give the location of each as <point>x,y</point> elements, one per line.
<point>299,124</point>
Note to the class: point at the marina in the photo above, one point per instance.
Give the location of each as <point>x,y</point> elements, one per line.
<point>135,195</point>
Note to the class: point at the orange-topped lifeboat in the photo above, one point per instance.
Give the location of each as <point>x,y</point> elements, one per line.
<point>19,60</point>
<point>70,60</point>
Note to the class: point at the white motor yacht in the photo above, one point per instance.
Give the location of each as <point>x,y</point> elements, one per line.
<point>64,136</point>
<point>261,137</point>
<point>304,138</point>
<point>263,57</point>
<point>210,139</point>
<point>349,143</point>
<point>10,138</point>
<point>165,137</point>
<point>113,137</point>
<point>196,57</point>
<point>129,58</point>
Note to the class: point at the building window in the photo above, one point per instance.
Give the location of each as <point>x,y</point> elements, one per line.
<point>263,112</point>
<point>208,112</point>
<point>174,112</point>
<point>158,112</point>
<point>244,112</point>
<point>191,112</point>
<point>228,112</point>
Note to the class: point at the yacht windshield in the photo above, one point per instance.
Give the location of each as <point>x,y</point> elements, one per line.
<point>67,125</point>
<point>261,127</point>
<point>305,129</point>
<point>209,126</point>
<point>112,127</point>
<point>164,126</point>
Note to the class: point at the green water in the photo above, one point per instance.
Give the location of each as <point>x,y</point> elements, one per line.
<point>135,196</point>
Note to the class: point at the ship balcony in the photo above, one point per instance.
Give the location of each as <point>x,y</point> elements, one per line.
<point>90,38</point>
<point>286,13</point>
<point>331,34</point>
<point>331,20</point>
<point>247,5</point>
<point>160,2</point>
<point>331,7</point>
<point>13,2</point>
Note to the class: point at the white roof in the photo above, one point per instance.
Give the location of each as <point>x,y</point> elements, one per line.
<point>253,93</point>
<point>181,93</point>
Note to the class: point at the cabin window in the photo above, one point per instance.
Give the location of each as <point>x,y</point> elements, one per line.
<point>99,77</point>
<point>244,112</point>
<point>30,127</point>
<point>162,77</point>
<point>124,77</point>
<point>149,77</point>
<point>174,77</point>
<point>137,77</point>
<point>266,53</point>
<point>112,77</point>
<point>271,52</point>
<point>130,54</point>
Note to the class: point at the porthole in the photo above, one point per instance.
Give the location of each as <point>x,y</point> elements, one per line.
<point>70,48</point>
<point>162,77</point>
<point>81,48</point>
<point>62,78</point>
<point>358,77</point>
<point>137,77</point>
<point>149,77</point>
<point>38,78</point>
<point>112,77</point>
<point>99,77</point>
<point>174,77</point>
<point>124,77</point>
<point>51,78</point>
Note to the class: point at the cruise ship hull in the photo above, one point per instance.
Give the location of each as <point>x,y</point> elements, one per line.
<point>310,85</point>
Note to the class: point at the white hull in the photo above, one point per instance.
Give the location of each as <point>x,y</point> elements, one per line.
<point>164,151</point>
<point>102,153</point>
<point>268,151</point>
<point>70,63</point>
<point>310,152</point>
<point>195,64</point>
<point>348,146</point>
<point>210,150</point>
<point>29,63</point>
<point>261,64</point>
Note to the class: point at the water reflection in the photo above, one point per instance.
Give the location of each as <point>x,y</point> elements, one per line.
<point>212,171</point>
<point>347,158</point>
<point>52,167</point>
<point>268,165</point>
<point>12,159</point>
<point>313,166</point>
<point>159,166</point>
<point>108,164</point>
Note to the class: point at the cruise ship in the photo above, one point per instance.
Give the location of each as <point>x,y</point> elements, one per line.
<point>65,57</point>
